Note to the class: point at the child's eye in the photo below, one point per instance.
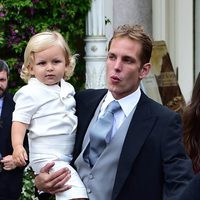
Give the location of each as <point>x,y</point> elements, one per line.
<point>57,61</point>
<point>41,63</point>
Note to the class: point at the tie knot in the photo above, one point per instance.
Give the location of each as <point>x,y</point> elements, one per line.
<point>113,107</point>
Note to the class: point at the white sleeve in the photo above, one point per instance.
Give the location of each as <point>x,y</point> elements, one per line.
<point>25,105</point>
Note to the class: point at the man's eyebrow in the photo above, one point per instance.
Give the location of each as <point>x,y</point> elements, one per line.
<point>128,57</point>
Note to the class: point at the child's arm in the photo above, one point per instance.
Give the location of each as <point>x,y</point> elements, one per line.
<point>18,133</point>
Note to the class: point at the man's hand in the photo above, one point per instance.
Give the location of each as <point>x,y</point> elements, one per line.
<point>8,163</point>
<point>52,182</point>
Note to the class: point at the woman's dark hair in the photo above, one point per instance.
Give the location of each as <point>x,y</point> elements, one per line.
<point>191,126</point>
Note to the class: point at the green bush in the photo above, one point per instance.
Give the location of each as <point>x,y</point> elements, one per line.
<point>19,20</point>
<point>28,185</point>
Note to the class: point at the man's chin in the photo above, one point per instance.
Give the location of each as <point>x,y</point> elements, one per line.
<point>115,91</point>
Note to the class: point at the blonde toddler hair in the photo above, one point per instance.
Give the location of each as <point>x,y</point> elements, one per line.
<point>42,41</point>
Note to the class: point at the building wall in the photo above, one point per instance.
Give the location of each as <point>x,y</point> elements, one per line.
<point>197,37</point>
<point>133,12</point>
<point>168,20</point>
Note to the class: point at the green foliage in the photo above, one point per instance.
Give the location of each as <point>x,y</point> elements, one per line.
<point>21,19</point>
<point>28,186</point>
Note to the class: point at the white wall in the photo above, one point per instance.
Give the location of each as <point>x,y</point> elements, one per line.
<point>173,23</point>
<point>133,12</point>
<point>197,37</point>
<point>128,12</point>
<point>168,20</point>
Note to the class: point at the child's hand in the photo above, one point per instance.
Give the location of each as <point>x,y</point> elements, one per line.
<point>20,156</point>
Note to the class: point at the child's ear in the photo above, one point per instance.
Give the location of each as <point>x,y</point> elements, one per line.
<point>30,68</point>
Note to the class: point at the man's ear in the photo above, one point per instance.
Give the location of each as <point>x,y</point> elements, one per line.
<point>144,70</point>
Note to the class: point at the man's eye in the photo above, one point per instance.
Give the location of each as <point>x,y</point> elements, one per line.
<point>128,60</point>
<point>111,57</point>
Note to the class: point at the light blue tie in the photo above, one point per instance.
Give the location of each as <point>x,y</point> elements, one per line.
<point>101,130</point>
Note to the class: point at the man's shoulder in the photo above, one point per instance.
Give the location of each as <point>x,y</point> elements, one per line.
<point>91,92</point>
<point>156,107</point>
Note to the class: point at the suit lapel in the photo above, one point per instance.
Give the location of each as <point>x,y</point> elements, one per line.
<point>5,124</point>
<point>139,128</point>
<point>86,104</point>
<point>8,106</point>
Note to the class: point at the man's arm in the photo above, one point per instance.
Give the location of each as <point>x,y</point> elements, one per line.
<point>52,182</point>
<point>176,164</point>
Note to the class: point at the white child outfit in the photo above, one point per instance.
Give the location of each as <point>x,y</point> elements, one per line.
<point>49,110</point>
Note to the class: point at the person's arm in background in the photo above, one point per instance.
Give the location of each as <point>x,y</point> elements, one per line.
<point>8,163</point>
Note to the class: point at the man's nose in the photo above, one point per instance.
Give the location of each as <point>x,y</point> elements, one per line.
<point>118,65</point>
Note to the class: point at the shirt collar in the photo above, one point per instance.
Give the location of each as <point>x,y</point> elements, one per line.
<point>1,104</point>
<point>127,103</point>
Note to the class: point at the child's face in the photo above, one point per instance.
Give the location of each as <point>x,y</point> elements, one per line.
<point>49,65</point>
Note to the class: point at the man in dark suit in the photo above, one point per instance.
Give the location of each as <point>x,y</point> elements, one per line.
<point>10,176</point>
<point>147,160</point>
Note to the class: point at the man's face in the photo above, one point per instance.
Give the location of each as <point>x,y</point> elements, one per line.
<point>124,70</point>
<point>3,82</point>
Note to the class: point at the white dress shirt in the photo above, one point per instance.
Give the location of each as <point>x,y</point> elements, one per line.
<point>127,104</point>
<point>1,105</point>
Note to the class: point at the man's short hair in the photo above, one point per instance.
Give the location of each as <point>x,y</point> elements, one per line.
<point>4,67</point>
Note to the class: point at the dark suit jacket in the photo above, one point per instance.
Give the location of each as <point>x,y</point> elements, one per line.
<point>192,191</point>
<point>10,181</point>
<point>153,164</point>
